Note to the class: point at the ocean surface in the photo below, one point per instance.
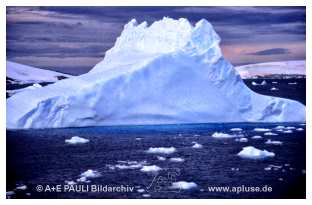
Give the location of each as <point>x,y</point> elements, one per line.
<point>39,161</point>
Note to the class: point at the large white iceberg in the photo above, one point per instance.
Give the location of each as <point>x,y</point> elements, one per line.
<point>168,72</point>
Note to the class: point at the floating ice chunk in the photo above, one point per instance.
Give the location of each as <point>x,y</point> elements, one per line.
<point>279,127</point>
<point>146,195</point>
<point>90,174</point>
<point>234,169</point>
<point>138,138</point>
<point>290,128</point>
<point>221,135</point>
<point>270,134</point>
<point>236,129</point>
<point>76,140</point>
<point>243,139</point>
<point>128,165</point>
<point>254,83</point>
<point>21,187</point>
<point>262,130</point>
<point>300,129</point>
<point>256,137</point>
<point>160,158</point>
<point>140,190</point>
<point>9,194</point>
<point>274,88</point>
<point>274,82</point>
<point>176,159</point>
<point>196,135</point>
<point>280,179</point>
<point>183,185</point>
<point>197,145</point>
<point>292,83</point>
<point>287,131</point>
<point>273,142</point>
<point>151,168</point>
<point>251,152</point>
<point>83,179</point>
<point>263,82</point>
<point>70,182</point>
<point>161,150</point>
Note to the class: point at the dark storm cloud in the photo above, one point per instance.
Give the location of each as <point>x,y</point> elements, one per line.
<point>64,32</point>
<point>273,51</point>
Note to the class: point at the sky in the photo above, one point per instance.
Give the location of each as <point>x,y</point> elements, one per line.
<point>73,39</point>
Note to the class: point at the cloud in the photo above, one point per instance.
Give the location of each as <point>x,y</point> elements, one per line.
<point>272,51</point>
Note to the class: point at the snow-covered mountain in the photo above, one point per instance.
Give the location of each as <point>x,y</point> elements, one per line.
<point>23,74</point>
<point>168,72</point>
<point>272,68</point>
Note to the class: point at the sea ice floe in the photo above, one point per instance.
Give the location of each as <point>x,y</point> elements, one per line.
<point>85,176</point>
<point>234,169</point>
<point>197,145</point>
<point>146,195</point>
<point>9,194</point>
<point>251,152</point>
<point>274,82</point>
<point>176,159</point>
<point>287,131</point>
<point>300,129</point>
<point>83,179</point>
<point>279,127</point>
<point>292,83</point>
<point>140,190</point>
<point>270,134</point>
<point>262,130</point>
<point>127,165</point>
<point>221,135</point>
<point>274,88</point>
<point>183,185</point>
<point>76,140</point>
<point>151,168</point>
<point>160,158</point>
<point>243,139</point>
<point>290,128</point>
<point>274,167</point>
<point>273,142</point>
<point>236,129</point>
<point>70,182</point>
<point>256,137</point>
<point>21,187</point>
<point>161,150</point>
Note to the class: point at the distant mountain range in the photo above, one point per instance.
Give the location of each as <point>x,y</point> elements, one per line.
<point>278,70</point>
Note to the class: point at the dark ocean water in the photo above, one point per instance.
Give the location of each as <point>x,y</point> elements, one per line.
<point>41,157</point>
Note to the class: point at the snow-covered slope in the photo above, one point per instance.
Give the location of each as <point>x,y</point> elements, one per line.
<point>24,74</point>
<point>168,72</point>
<point>272,68</point>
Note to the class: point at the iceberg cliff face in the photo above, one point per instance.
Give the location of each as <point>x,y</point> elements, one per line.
<point>169,72</point>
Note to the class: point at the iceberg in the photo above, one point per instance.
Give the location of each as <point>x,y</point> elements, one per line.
<point>184,185</point>
<point>151,168</point>
<point>176,159</point>
<point>169,72</point>
<point>161,150</point>
<point>76,140</point>
<point>273,142</point>
<point>197,145</point>
<point>220,135</point>
<point>251,152</point>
